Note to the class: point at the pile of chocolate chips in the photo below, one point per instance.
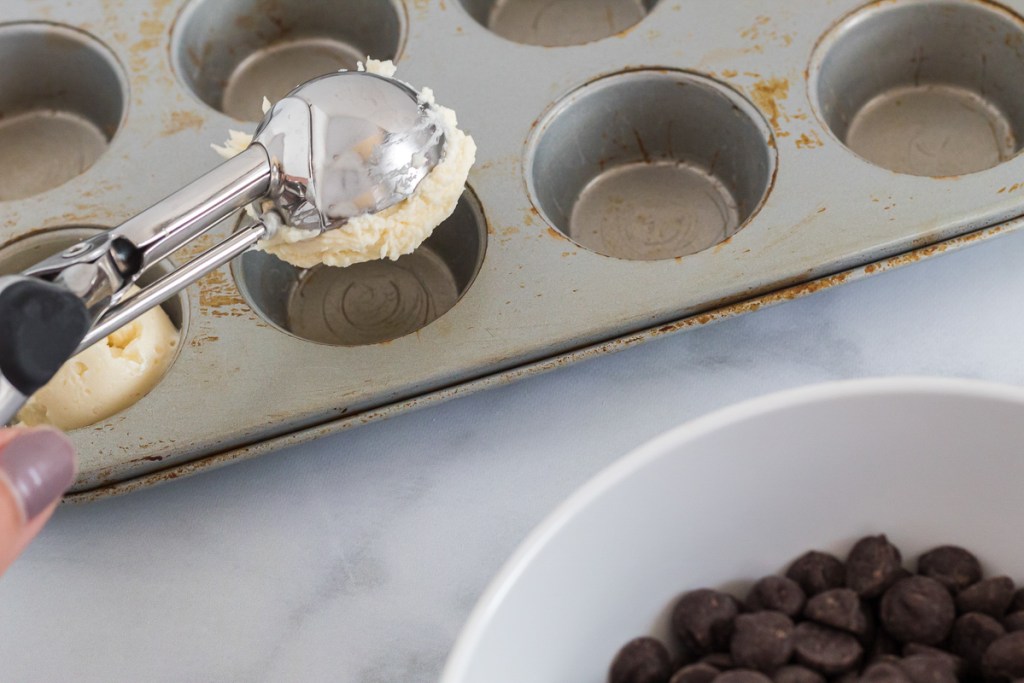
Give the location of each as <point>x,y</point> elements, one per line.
<point>866,619</point>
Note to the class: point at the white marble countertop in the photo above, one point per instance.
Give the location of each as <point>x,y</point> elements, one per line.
<point>358,557</point>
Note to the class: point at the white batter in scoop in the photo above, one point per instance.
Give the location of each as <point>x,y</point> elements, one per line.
<point>393,232</point>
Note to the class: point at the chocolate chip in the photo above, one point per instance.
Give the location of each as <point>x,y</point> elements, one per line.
<point>695,673</point>
<point>872,628</point>
<point>797,674</point>
<point>762,640</point>
<point>778,594</point>
<point>883,644</point>
<point>988,596</point>
<point>928,669</point>
<point>641,660</point>
<point>867,620</point>
<point>681,658</point>
<point>839,608</point>
<point>918,610</point>
<point>1004,659</point>
<point>950,565</point>
<point>817,572</point>
<point>1017,603</point>
<point>972,634</point>
<point>903,573</point>
<point>703,620</point>
<point>884,659</point>
<point>872,566</point>
<point>826,650</point>
<point>958,664</point>
<point>720,660</point>
<point>1014,622</point>
<point>884,672</point>
<point>742,676</point>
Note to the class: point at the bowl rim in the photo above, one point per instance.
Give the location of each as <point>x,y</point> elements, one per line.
<point>466,643</point>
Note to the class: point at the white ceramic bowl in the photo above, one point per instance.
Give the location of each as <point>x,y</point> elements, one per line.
<point>728,498</point>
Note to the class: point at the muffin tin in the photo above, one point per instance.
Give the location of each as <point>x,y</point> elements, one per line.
<point>643,167</point>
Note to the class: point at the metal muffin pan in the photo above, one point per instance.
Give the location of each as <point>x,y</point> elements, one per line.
<point>664,164</point>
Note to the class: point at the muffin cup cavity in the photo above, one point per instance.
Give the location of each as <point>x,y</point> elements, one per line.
<point>650,165</point>
<point>558,23</point>
<point>26,251</point>
<point>371,302</point>
<point>924,87</point>
<point>233,53</point>
<point>62,99</point>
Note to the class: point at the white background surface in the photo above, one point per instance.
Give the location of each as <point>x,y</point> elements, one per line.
<point>358,557</point>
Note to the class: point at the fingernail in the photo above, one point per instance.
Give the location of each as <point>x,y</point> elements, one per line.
<point>39,465</point>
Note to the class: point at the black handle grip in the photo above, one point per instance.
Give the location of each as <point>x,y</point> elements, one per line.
<point>41,325</point>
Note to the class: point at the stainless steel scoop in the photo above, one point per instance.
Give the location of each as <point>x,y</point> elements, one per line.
<point>336,147</point>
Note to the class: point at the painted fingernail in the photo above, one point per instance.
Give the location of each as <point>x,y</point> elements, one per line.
<point>39,465</point>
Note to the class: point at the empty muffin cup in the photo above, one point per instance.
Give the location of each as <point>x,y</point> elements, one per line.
<point>233,53</point>
<point>102,380</point>
<point>62,98</point>
<point>651,164</point>
<point>371,302</point>
<point>924,87</point>
<point>560,22</point>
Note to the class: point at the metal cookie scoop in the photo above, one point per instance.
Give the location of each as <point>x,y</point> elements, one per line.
<point>336,147</point>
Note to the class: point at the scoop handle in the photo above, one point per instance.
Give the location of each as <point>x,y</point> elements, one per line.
<point>41,325</point>
<point>116,258</point>
<point>163,289</point>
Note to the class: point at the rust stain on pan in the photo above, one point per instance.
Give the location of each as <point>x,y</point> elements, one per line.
<point>181,120</point>
<point>102,189</point>
<point>196,247</point>
<point>153,27</point>
<point>754,31</point>
<point>768,94</point>
<point>150,35</point>
<point>200,340</point>
<point>424,5</point>
<point>808,141</point>
<point>219,297</point>
<point>761,30</point>
<point>640,146</point>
